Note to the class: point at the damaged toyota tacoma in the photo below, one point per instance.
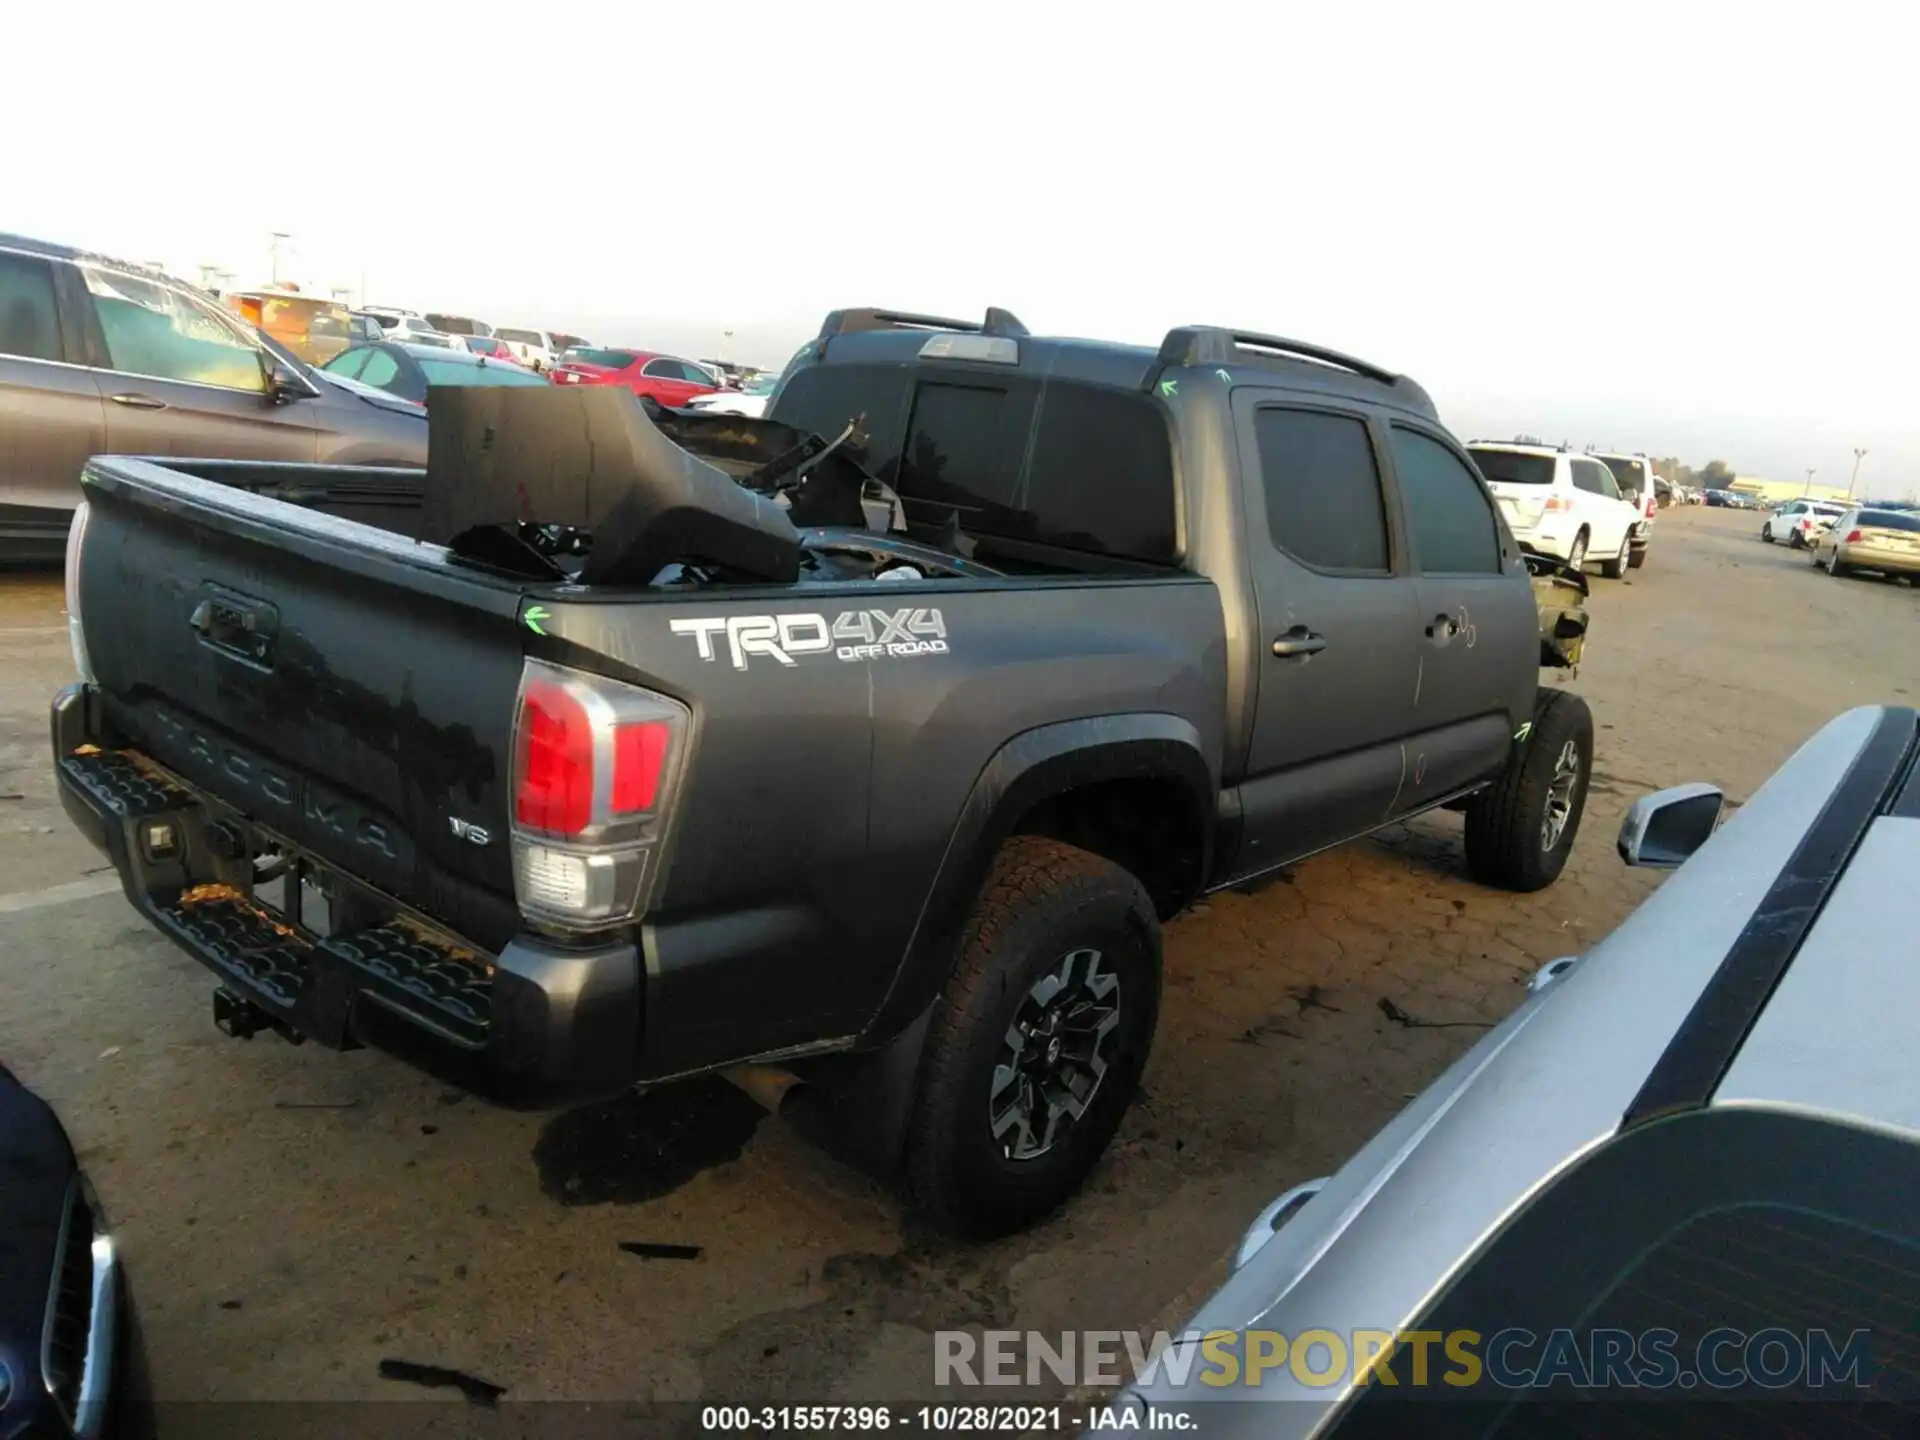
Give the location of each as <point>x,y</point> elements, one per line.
<point>873,741</point>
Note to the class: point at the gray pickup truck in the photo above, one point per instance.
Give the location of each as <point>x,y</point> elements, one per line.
<point>874,739</point>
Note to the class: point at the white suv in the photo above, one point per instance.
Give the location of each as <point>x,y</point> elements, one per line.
<point>1641,488</point>
<point>407,327</point>
<point>536,349</point>
<point>1561,502</point>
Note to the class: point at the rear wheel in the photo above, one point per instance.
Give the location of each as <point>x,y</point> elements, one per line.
<point>1637,558</point>
<point>1613,569</point>
<point>1577,556</point>
<point>1794,542</point>
<point>1520,832</point>
<point>1038,1041</point>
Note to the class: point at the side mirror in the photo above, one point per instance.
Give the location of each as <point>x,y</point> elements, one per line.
<point>1664,828</point>
<point>284,384</point>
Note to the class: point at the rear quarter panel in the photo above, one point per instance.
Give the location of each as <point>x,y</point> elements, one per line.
<point>822,793</point>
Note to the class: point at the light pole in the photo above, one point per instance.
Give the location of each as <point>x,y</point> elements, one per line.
<point>1809,489</point>
<point>278,236</point>
<point>1858,455</point>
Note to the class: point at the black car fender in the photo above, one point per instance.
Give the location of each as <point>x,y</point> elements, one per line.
<point>1035,766</point>
<point>869,1095</point>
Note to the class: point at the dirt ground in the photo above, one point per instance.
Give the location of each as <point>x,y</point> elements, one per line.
<point>291,1217</point>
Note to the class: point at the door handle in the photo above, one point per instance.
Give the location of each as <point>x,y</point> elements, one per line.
<point>1298,643</point>
<point>135,401</point>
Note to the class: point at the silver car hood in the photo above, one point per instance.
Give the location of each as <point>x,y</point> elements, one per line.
<point>1539,1091</point>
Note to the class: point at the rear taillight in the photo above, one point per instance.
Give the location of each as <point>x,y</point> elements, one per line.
<point>1558,502</point>
<point>76,633</point>
<point>1652,503</point>
<point>1854,537</point>
<point>595,766</point>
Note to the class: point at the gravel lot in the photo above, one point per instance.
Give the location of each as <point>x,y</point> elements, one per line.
<point>291,1217</point>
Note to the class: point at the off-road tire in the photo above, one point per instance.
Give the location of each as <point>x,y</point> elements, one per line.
<point>1616,568</point>
<point>1042,900</point>
<point>1505,822</point>
<point>1637,558</point>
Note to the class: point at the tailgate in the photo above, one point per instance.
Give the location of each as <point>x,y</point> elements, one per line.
<point>1522,504</point>
<point>344,687</point>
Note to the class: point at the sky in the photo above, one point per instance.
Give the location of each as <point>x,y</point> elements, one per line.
<point>1685,229</point>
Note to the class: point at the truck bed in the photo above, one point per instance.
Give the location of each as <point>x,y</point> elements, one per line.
<point>291,682</point>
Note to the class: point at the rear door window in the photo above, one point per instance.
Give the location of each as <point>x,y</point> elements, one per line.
<point>380,370</point>
<point>1322,482</point>
<point>1588,475</point>
<point>1448,510</point>
<point>349,364</point>
<point>29,320</point>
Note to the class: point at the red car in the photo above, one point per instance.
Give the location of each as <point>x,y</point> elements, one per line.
<point>669,381</point>
<point>491,348</point>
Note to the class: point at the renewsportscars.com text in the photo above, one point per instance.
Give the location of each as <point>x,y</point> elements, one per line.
<point>1511,1359</point>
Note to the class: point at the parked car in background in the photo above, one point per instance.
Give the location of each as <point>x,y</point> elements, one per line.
<point>408,328</point>
<point>458,324</point>
<point>750,399</point>
<point>1639,486</point>
<point>492,347</point>
<point>1561,502</point>
<point>1867,539</point>
<point>100,356</point>
<point>314,329</point>
<point>1708,1126</point>
<point>662,378</point>
<point>536,349</point>
<point>407,370</point>
<point>66,1327</point>
<point>1797,521</point>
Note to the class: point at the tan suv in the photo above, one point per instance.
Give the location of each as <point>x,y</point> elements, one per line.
<point>99,357</point>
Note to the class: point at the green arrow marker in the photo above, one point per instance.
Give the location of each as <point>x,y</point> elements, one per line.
<point>533,615</point>
<point>1224,376</point>
<point>1169,387</point>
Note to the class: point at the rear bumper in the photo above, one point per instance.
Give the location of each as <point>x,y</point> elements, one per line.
<point>539,1024</point>
<point>1890,562</point>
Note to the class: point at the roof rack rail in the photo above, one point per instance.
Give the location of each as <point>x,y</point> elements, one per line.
<point>852,322</point>
<point>1217,345</point>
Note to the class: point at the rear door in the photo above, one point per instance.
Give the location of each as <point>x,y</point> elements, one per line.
<point>181,377</point>
<point>1478,622</point>
<point>51,416</point>
<point>1606,515</point>
<point>1336,650</point>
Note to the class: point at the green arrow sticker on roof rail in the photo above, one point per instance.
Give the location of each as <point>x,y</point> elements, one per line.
<point>533,615</point>
<point>1224,376</point>
<point>1169,387</point>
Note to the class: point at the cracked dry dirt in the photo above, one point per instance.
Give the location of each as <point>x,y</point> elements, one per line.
<point>290,1217</point>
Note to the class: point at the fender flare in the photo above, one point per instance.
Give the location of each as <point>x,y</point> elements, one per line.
<point>1034,766</point>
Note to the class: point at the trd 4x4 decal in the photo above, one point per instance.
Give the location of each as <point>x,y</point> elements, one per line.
<point>852,635</point>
